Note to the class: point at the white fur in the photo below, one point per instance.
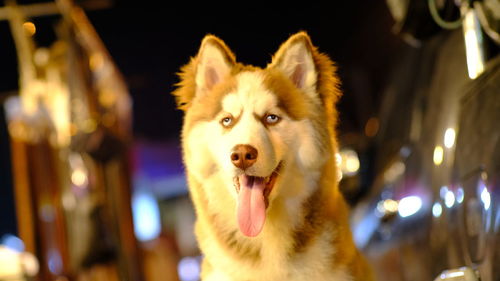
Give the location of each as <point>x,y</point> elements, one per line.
<point>249,100</point>
<point>291,141</point>
<point>275,264</point>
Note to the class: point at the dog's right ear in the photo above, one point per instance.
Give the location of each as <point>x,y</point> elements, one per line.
<point>213,62</point>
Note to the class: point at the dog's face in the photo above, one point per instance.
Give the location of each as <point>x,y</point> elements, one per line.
<point>254,129</point>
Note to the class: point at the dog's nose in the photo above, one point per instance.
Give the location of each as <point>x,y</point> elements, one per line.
<point>244,156</point>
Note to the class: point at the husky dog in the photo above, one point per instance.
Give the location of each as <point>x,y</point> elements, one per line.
<point>258,147</point>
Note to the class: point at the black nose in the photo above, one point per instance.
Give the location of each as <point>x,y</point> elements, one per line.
<point>244,156</point>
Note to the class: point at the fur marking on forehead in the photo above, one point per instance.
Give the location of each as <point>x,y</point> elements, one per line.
<point>252,94</point>
<point>263,91</point>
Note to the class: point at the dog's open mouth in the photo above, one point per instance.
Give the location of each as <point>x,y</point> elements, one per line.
<point>269,182</point>
<point>253,200</point>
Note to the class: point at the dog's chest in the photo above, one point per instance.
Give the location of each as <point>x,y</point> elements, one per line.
<point>293,271</point>
<point>276,264</point>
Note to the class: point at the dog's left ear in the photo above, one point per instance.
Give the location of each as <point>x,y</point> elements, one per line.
<point>295,59</point>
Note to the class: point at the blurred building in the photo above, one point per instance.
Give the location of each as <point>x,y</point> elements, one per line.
<point>70,135</point>
<point>432,209</point>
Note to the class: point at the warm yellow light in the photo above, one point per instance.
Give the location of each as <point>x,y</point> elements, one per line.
<point>438,155</point>
<point>387,207</point>
<point>391,205</point>
<point>30,264</point>
<point>338,159</point>
<point>10,265</point>
<point>350,162</point>
<point>473,44</point>
<point>30,28</point>
<point>78,177</point>
<point>449,137</point>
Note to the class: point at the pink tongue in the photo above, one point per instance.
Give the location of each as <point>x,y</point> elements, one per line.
<point>251,205</point>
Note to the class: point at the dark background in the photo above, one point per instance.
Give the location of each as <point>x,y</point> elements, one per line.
<point>151,40</point>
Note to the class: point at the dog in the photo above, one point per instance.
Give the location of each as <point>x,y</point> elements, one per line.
<point>259,149</point>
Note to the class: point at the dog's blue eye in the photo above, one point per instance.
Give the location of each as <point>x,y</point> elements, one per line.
<point>226,122</point>
<point>272,119</point>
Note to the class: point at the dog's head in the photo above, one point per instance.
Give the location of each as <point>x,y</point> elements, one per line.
<point>258,129</point>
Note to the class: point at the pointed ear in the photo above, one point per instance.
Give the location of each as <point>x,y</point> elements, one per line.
<point>214,62</point>
<point>295,59</point>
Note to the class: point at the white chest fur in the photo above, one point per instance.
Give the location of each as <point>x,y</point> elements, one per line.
<point>275,264</point>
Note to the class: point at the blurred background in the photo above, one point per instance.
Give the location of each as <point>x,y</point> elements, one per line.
<point>91,176</point>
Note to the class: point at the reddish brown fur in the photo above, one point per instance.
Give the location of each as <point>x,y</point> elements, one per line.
<point>328,83</point>
<point>186,88</point>
<point>327,203</point>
